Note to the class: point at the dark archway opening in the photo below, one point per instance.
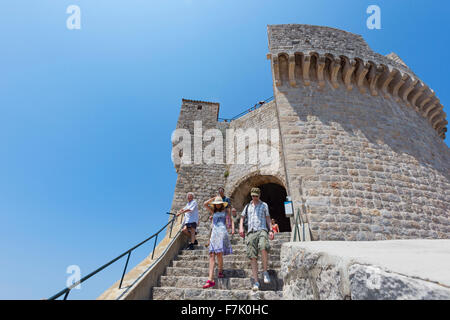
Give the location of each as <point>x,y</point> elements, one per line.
<point>274,195</point>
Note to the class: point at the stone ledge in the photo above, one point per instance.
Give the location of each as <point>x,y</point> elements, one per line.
<point>381,270</point>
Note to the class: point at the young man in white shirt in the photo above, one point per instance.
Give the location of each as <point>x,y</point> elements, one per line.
<point>190,221</point>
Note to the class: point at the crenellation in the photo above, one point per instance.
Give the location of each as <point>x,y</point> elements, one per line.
<point>400,83</point>
<point>361,72</point>
<point>354,64</point>
<point>385,80</point>
<point>347,72</point>
<point>417,93</point>
<point>292,70</point>
<point>334,70</point>
<point>407,88</point>
<point>373,76</point>
<point>306,61</point>
<point>425,98</point>
<point>430,106</point>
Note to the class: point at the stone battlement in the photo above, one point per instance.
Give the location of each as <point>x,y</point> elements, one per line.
<point>303,54</point>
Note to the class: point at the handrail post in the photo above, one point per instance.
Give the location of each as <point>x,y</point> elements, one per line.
<point>154,246</point>
<point>67,293</point>
<point>125,269</point>
<point>171,226</point>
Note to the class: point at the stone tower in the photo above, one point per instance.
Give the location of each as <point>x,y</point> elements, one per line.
<point>361,141</point>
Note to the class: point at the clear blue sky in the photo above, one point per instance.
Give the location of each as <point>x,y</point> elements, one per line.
<point>86,115</point>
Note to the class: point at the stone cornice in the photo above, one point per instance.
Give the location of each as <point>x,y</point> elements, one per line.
<point>199,101</point>
<point>349,72</point>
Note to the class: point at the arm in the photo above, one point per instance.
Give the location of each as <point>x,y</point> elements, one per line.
<point>206,205</point>
<point>188,207</point>
<point>184,210</point>
<point>181,211</point>
<point>241,227</point>
<point>233,228</point>
<point>269,223</point>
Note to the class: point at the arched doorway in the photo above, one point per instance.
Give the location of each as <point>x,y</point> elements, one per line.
<point>272,192</point>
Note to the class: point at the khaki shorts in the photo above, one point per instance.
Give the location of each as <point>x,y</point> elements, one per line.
<point>256,242</point>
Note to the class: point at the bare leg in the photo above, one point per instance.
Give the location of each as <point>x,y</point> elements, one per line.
<point>255,269</point>
<point>220,261</point>
<point>264,259</point>
<point>211,266</point>
<point>186,231</point>
<point>192,230</point>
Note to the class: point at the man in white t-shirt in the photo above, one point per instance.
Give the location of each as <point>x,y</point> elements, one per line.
<point>190,220</point>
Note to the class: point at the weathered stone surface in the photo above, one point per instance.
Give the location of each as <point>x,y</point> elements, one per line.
<point>373,283</point>
<point>396,269</point>
<point>162,293</point>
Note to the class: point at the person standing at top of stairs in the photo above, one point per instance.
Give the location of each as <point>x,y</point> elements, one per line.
<point>190,220</point>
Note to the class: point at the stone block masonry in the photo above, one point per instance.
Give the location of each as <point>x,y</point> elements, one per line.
<point>361,151</point>
<point>202,179</point>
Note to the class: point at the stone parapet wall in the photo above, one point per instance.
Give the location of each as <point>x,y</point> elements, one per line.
<point>323,40</point>
<point>304,55</point>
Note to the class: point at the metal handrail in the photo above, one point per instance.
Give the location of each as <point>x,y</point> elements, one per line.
<point>256,106</point>
<point>66,291</point>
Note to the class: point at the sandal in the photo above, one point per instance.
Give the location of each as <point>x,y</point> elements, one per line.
<point>209,284</point>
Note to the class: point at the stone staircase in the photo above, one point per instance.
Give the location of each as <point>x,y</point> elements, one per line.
<point>188,272</point>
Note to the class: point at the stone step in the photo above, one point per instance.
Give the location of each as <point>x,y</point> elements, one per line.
<point>226,264</point>
<point>207,231</point>
<point>275,284</point>
<point>228,258</point>
<point>281,236</point>
<point>204,251</point>
<point>239,246</point>
<point>229,273</point>
<point>171,293</point>
<point>240,241</point>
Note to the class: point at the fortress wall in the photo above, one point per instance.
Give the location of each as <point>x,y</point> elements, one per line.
<point>261,118</point>
<point>204,179</point>
<point>363,168</point>
<point>366,164</point>
<point>201,179</point>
